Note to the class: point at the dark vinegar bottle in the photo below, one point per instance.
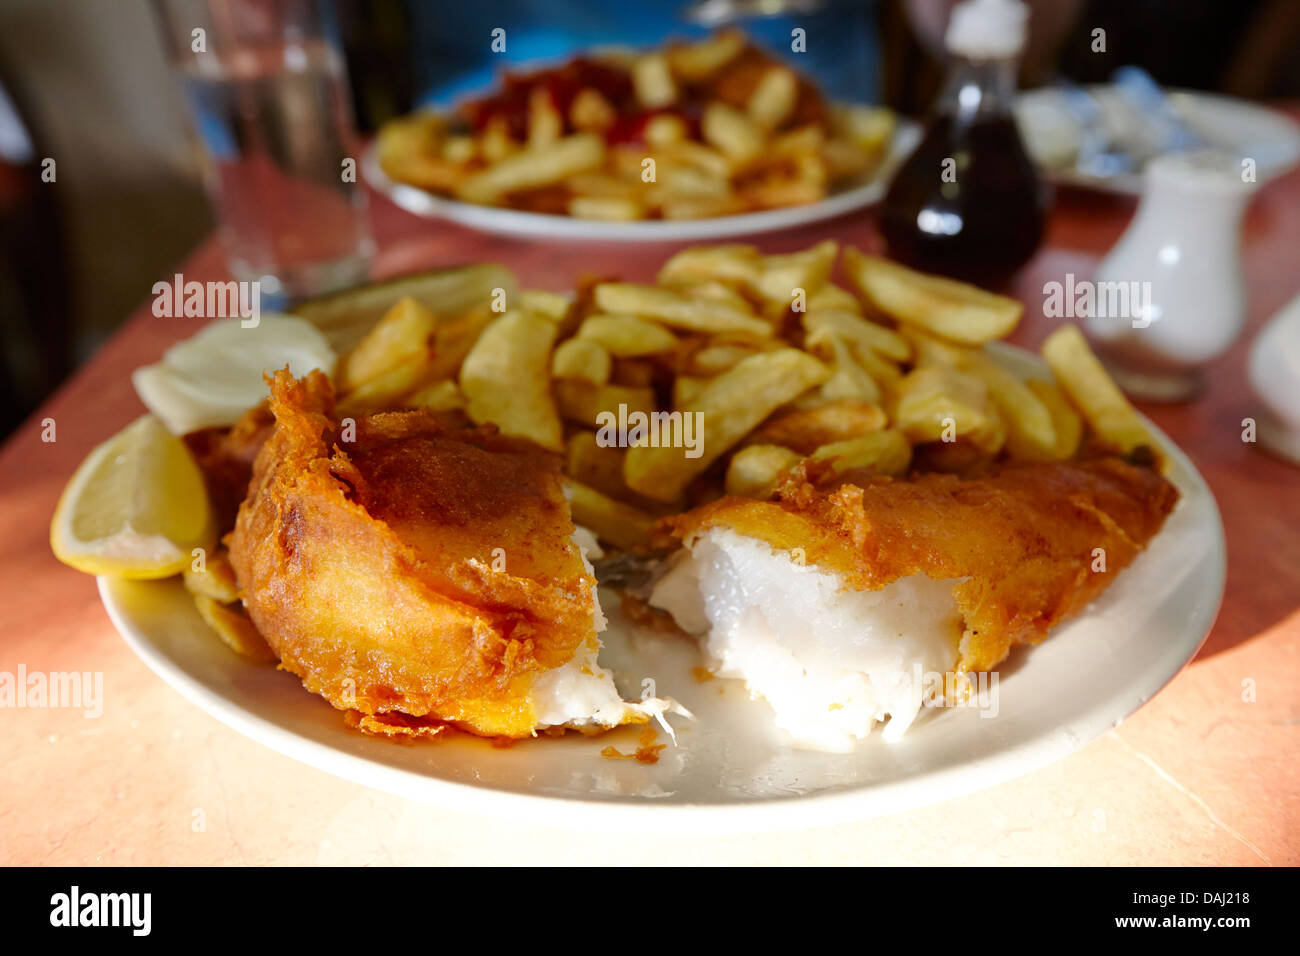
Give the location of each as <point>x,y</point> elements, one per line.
<point>968,203</point>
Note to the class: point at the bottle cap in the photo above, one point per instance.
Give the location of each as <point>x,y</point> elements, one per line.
<point>987,29</point>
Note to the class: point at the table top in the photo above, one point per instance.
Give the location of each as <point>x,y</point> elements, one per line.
<point>1203,774</point>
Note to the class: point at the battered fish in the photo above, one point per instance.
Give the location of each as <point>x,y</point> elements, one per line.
<point>416,576</point>
<point>829,599</point>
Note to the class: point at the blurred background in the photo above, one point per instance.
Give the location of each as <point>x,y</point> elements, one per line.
<point>88,85</point>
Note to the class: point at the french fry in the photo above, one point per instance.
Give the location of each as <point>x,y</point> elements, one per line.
<point>404,332</point>
<point>832,298</point>
<point>1029,421</point>
<point>627,336</point>
<point>234,628</point>
<point>686,387</point>
<point>701,60</point>
<point>731,131</point>
<point>941,404</point>
<point>505,378</point>
<point>460,150</point>
<point>590,111</point>
<point>496,143</point>
<point>849,379</point>
<point>533,168</point>
<point>754,470</point>
<point>886,452</point>
<point>1084,379</point>
<point>675,310</point>
<point>345,318</point>
<point>581,360</point>
<point>952,310</point>
<point>733,263</point>
<point>809,270</point>
<point>550,305</point>
<point>617,522</point>
<point>773,98</point>
<point>861,334</point>
<point>806,430</point>
<point>455,337</point>
<point>882,371</point>
<point>728,407</point>
<point>1067,426</point>
<point>389,388</point>
<point>443,396</point>
<point>583,403</point>
<point>710,290</point>
<point>714,359</point>
<point>217,579</point>
<point>636,372</point>
<point>597,466</point>
<point>929,349</point>
<point>545,123</point>
<point>776,193</point>
<point>869,128</point>
<point>690,154</point>
<point>652,81</point>
<point>665,129</point>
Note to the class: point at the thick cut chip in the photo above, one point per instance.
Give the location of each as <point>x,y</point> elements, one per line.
<point>617,522</point>
<point>676,310</point>
<point>1067,426</point>
<point>1028,420</point>
<point>506,379</point>
<point>954,310</point>
<point>533,168</point>
<point>1084,379</point>
<point>809,270</point>
<point>860,333</point>
<point>808,429</point>
<point>884,452</point>
<point>731,263</point>
<point>583,361</point>
<point>405,331</point>
<point>753,472</point>
<point>938,403</point>
<point>587,404</point>
<point>727,408</point>
<point>627,336</point>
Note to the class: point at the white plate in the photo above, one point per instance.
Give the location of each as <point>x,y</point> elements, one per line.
<point>730,772</point>
<point>513,222</point>
<point>1240,127</point>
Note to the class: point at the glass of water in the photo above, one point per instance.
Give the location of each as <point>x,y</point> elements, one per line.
<point>267,87</point>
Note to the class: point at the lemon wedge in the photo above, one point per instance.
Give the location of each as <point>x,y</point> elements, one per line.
<point>136,507</point>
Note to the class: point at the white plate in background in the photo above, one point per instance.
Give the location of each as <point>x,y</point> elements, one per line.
<point>1240,127</point>
<point>514,222</point>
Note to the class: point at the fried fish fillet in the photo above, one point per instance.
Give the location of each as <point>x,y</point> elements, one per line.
<point>828,599</point>
<point>417,576</point>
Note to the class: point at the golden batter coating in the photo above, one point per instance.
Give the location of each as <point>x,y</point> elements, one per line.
<point>1022,539</point>
<point>408,569</point>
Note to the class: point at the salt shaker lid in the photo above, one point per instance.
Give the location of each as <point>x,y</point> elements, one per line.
<point>987,29</point>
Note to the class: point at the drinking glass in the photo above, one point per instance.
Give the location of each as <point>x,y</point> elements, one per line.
<point>266,85</point>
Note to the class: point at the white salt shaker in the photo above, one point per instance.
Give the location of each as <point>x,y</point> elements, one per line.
<point>1275,377</point>
<point>1179,265</point>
